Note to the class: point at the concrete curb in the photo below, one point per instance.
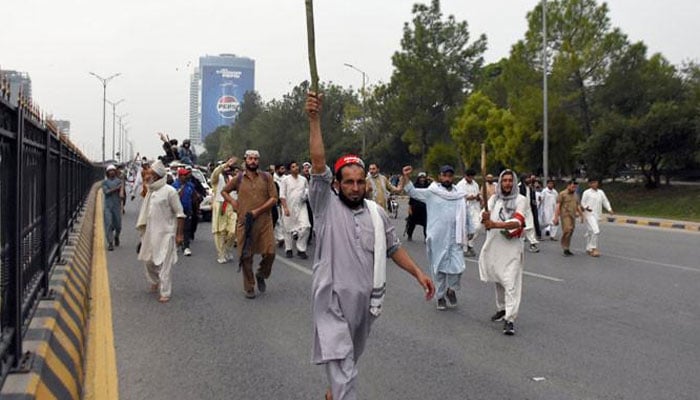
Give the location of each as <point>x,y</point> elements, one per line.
<point>101,381</point>
<point>654,222</point>
<point>56,338</point>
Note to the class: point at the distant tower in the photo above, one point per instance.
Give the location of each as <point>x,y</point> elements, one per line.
<point>19,82</point>
<point>222,81</point>
<point>195,116</point>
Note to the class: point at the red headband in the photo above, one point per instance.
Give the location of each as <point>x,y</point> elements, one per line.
<point>182,172</point>
<point>347,160</point>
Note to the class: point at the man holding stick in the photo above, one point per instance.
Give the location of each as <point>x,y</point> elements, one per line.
<point>354,237</point>
<point>501,257</point>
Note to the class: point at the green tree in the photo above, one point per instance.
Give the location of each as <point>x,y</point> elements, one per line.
<point>433,71</point>
<point>581,46</point>
<point>440,154</point>
<point>649,122</point>
<point>482,121</point>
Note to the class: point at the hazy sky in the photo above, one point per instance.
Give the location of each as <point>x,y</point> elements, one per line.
<point>155,43</point>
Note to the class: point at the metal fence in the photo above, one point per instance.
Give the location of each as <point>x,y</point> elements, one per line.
<point>44,179</point>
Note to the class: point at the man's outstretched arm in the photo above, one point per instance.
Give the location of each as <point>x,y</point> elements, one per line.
<point>405,262</point>
<point>316,149</point>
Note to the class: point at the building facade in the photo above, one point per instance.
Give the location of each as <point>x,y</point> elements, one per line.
<point>20,82</point>
<point>217,88</point>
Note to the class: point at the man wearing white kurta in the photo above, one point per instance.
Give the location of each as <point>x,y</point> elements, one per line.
<point>447,226</point>
<point>294,190</point>
<point>278,230</point>
<point>549,207</point>
<point>161,224</point>
<point>473,198</point>
<point>592,202</point>
<point>501,257</point>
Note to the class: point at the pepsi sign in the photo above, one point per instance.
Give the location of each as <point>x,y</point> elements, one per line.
<point>228,106</point>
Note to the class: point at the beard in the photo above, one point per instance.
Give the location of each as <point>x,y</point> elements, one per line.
<point>446,185</point>
<point>349,202</point>
<point>251,167</point>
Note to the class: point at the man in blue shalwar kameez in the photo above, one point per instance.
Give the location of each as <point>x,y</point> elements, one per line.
<point>448,224</point>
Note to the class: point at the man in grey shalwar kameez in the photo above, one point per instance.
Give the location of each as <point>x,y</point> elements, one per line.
<point>348,273</point>
<point>447,229</point>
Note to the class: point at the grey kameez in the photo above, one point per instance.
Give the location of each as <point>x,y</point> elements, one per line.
<point>342,272</point>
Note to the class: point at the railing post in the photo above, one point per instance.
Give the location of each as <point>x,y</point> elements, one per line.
<point>45,222</point>
<point>17,288</point>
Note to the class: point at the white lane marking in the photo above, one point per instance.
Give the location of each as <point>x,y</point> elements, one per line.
<point>549,278</point>
<point>680,267</point>
<point>294,265</point>
<point>532,274</point>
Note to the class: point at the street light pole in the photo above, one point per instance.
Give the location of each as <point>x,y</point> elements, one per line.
<point>364,132</point>
<point>104,105</point>
<point>545,150</point>
<point>114,117</point>
<point>121,130</point>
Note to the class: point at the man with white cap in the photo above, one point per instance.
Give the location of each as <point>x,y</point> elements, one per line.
<point>161,225</point>
<point>112,187</point>
<point>256,196</point>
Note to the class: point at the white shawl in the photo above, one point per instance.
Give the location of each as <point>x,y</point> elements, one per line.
<point>461,215</point>
<point>379,277</point>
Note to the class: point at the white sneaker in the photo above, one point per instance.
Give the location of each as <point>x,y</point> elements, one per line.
<point>221,260</point>
<point>187,251</point>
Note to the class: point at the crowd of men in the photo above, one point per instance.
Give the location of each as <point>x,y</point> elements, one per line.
<point>343,211</point>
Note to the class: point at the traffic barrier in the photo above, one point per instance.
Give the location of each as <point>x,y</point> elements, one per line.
<point>56,343</point>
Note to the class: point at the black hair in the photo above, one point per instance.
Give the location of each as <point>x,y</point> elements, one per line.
<point>289,164</point>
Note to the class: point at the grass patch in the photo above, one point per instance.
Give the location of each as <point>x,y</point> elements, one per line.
<point>679,202</point>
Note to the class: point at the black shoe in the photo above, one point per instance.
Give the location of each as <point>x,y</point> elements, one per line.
<point>289,254</point>
<point>280,243</point>
<point>533,248</point>
<point>470,252</point>
<point>568,253</point>
<point>262,286</point>
<point>451,298</point>
<point>442,304</point>
<point>302,255</point>
<point>110,247</point>
<point>410,239</point>
<point>508,328</point>
<point>498,316</point>
<point>250,295</point>
<point>116,240</point>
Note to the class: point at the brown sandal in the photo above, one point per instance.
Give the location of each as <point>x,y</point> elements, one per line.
<point>164,299</point>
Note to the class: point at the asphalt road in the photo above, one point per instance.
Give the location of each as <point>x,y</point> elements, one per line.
<point>623,326</point>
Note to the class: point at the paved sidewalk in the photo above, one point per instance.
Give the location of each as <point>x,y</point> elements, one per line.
<point>654,222</point>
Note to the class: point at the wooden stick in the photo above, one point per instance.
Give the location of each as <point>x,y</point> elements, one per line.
<point>312,46</point>
<point>483,176</point>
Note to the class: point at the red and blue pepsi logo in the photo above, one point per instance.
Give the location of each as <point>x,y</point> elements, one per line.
<point>228,106</point>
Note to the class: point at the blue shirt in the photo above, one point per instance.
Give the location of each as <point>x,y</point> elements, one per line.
<point>186,194</point>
